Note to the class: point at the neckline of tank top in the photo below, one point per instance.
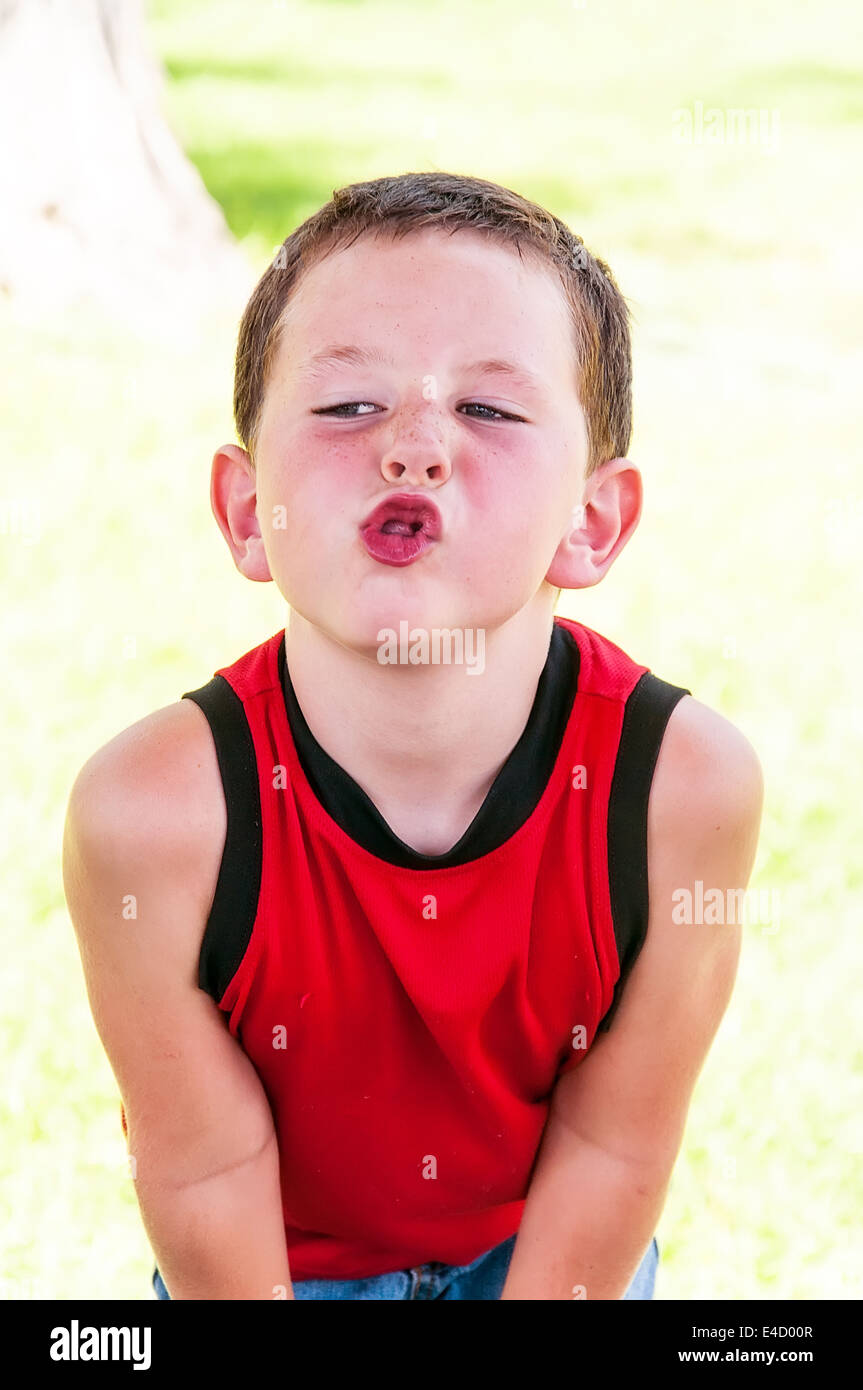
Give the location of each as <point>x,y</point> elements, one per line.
<point>510,801</point>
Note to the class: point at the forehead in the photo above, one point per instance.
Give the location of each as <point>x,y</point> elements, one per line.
<point>460,296</point>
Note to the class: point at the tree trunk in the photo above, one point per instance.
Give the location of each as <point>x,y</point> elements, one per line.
<point>97,200</point>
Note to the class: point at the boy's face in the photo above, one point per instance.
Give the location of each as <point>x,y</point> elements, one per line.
<point>428,422</point>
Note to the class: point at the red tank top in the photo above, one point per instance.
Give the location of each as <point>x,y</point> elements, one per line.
<point>409,1023</point>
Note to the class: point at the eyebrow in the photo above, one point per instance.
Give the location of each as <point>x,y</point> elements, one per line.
<point>337,353</point>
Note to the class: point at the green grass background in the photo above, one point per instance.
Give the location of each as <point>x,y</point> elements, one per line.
<point>743,582</point>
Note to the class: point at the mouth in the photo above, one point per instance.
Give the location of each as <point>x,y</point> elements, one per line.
<point>400,529</point>
<point>405,516</point>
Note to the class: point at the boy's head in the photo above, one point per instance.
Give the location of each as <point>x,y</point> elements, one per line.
<point>430,275</point>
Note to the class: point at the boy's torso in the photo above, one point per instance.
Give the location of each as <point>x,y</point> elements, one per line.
<point>523,1046</point>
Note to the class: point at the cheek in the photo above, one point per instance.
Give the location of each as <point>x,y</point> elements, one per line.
<point>314,478</point>
<point>517,488</point>
<point>329,454</point>
<point>327,475</point>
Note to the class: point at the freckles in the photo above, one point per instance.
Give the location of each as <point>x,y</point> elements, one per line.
<point>340,460</point>
<point>317,452</point>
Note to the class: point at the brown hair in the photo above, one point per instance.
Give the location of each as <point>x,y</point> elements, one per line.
<point>403,203</point>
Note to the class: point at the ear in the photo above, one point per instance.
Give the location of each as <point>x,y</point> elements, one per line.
<point>233,498</point>
<point>600,526</point>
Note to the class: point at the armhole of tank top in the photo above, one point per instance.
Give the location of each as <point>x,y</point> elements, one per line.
<point>232,914</point>
<point>646,715</point>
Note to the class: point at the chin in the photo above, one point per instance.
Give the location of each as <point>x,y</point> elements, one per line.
<point>367,615</point>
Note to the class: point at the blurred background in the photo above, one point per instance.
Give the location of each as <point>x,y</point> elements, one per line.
<point>153,157</point>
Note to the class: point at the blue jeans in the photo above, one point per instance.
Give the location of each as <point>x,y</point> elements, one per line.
<point>483,1279</point>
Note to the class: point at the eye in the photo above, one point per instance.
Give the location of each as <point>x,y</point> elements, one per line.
<point>348,405</point>
<point>501,414</point>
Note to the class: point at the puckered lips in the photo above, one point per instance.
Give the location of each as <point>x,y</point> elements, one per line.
<point>401,528</point>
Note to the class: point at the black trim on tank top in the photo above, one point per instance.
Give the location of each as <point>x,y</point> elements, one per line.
<point>235,902</point>
<point>647,712</point>
<point>510,801</point>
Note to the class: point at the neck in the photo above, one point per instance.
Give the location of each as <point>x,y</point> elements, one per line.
<point>424,742</point>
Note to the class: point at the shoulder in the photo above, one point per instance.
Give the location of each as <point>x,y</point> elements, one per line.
<point>152,796</point>
<point>707,776</point>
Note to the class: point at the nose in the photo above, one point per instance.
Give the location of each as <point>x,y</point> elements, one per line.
<point>418,455</point>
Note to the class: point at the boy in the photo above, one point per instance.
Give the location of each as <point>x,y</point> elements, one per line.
<point>388,898</point>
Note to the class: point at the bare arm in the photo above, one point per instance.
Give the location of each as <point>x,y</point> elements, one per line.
<point>143,840</point>
<point>223,1236</point>
<point>617,1119</point>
